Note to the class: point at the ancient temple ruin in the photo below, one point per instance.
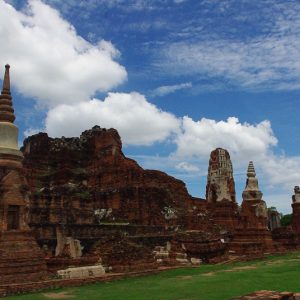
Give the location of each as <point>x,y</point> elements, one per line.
<point>81,202</point>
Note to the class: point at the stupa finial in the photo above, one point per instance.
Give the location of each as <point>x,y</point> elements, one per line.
<point>6,107</point>
<point>251,170</point>
<point>6,81</point>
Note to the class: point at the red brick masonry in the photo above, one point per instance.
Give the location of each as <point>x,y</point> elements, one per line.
<point>268,295</point>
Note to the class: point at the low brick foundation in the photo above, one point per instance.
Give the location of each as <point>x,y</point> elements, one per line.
<point>269,295</point>
<point>34,287</point>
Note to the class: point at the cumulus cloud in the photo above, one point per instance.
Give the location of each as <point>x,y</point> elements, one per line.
<point>198,138</point>
<point>138,121</point>
<point>281,170</point>
<point>244,142</point>
<point>50,61</point>
<point>169,89</point>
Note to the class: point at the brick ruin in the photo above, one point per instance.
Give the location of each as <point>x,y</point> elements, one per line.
<point>251,234</point>
<point>220,189</point>
<point>80,202</point>
<point>88,198</point>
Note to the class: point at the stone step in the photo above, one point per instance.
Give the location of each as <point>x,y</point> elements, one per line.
<point>181,255</point>
<point>182,260</point>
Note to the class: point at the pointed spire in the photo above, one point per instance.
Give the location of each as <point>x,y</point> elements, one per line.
<point>252,182</point>
<point>251,170</point>
<point>6,82</point>
<point>6,107</point>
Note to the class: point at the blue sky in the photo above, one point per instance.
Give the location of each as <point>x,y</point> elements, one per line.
<point>177,78</point>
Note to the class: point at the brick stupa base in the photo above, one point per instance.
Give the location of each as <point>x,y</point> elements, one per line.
<point>252,241</point>
<point>21,260</point>
<point>224,213</point>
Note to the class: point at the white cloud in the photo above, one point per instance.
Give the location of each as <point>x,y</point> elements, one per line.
<point>126,5</point>
<point>187,167</point>
<point>31,131</point>
<point>138,121</point>
<point>269,60</point>
<point>169,89</point>
<point>201,137</point>
<point>244,142</point>
<point>281,170</point>
<point>50,61</point>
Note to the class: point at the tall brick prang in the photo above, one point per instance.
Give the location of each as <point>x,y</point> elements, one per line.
<point>220,189</point>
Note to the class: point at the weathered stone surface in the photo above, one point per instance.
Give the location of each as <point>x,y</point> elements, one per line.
<point>286,238</point>
<point>220,190</point>
<point>206,246</point>
<point>81,272</point>
<point>273,218</point>
<point>68,247</point>
<point>88,180</point>
<point>220,182</point>
<point>121,254</point>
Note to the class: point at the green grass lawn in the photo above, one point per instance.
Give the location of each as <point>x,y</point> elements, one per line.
<point>213,282</point>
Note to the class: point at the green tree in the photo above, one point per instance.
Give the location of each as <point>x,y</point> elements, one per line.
<point>286,220</point>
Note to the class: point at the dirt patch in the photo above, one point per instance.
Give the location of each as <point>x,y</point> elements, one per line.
<point>294,259</point>
<point>185,277</point>
<point>244,268</point>
<point>61,295</point>
<point>276,262</point>
<point>209,274</point>
<point>230,270</point>
<point>240,269</point>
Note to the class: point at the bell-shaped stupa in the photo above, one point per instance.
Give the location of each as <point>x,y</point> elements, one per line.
<point>251,191</point>
<point>10,155</point>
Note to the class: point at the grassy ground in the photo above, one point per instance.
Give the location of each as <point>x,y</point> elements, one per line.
<point>213,282</point>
